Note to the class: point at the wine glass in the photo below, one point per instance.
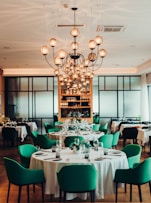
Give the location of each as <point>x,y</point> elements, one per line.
<point>96,144</point>
<point>59,144</point>
<point>101,146</point>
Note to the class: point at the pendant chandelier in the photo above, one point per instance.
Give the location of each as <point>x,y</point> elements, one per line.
<point>74,70</point>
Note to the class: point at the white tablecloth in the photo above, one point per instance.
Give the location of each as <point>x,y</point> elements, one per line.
<point>22,132</point>
<point>33,126</point>
<point>143,136</point>
<point>106,169</point>
<point>115,125</point>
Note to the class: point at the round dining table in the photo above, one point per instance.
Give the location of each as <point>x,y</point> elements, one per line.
<point>106,166</point>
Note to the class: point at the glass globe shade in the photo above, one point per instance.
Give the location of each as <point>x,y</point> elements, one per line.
<point>86,62</point>
<point>92,57</point>
<point>74,45</point>
<point>99,40</point>
<point>53,42</point>
<point>74,32</point>
<point>102,53</point>
<point>56,72</point>
<point>92,44</point>
<point>44,50</point>
<point>62,54</point>
<point>57,61</point>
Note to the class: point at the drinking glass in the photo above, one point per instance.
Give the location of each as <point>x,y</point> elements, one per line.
<point>96,144</point>
<point>58,144</point>
<point>101,147</point>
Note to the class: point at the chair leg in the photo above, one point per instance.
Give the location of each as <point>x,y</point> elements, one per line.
<point>60,195</point>
<point>150,186</point>
<point>125,187</point>
<point>19,193</point>
<point>42,191</point>
<point>92,195</point>
<point>64,197</point>
<point>140,193</point>
<point>8,191</point>
<point>33,187</point>
<point>28,193</point>
<point>116,191</point>
<point>130,192</point>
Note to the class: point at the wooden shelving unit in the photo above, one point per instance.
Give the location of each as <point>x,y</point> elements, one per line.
<point>73,104</point>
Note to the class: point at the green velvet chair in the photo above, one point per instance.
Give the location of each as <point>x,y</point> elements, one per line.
<point>70,139</point>
<point>96,127</point>
<point>54,129</point>
<point>133,153</point>
<point>58,123</point>
<point>20,176</point>
<point>107,140</point>
<point>139,175</point>
<point>47,126</point>
<point>96,119</point>
<point>115,140</point>
<point>25,152</point>
<point>77,179</point>
<point>34,135</point>
<point>104,128</point>
<point>44,142</point>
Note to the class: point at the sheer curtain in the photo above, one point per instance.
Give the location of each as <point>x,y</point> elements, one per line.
<point>144,99</point>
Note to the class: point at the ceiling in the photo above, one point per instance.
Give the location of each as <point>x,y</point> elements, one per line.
<point>27,25</point>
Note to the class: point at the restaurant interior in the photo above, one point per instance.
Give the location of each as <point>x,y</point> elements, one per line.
<point>75,95</point>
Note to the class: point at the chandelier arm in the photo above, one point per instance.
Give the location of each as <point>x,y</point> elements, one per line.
<point>51,66</point>
<point>94,68</point>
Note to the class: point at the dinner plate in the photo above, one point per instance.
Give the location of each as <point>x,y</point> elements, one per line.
<point>57,159</point>
<point>40,154</point>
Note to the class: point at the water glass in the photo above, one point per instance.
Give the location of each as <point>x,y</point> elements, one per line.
<point>101,148</point>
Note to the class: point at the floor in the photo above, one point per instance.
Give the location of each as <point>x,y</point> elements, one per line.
<point>36,197</point>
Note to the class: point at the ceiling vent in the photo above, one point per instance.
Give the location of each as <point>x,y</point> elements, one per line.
<point>110,28</point>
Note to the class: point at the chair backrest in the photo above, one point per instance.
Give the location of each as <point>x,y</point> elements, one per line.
<point>34,135</point>
<point>142,173</point>
<point>104,128</point>
<point>107,140</point>
<point>130,133</point>
<point>115,140</point>
<point>47,126</point>
<point>96,119</point>
<point>77,178</point>
<point>25,152</point>
<point>96,127</point>
<point>9,132</point>
<point>58,122</point>
<point>54,129</point>
<point>44,142</point>
<point>133,153</point>
<point>70,139</point>
<point>14,171</point>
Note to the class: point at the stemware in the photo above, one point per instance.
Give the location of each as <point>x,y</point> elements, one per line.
<point>96,144</point>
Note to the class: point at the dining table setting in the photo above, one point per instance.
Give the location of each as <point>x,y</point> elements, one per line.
<point>106,161</point>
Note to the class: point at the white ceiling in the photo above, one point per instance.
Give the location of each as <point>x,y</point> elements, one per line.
<point>26,25</point>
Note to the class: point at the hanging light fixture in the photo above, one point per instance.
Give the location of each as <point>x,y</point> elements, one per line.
<point>73,69</point>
